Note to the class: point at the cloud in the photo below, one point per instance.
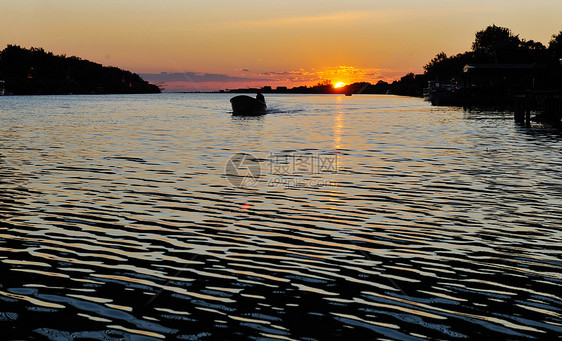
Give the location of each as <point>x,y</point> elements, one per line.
<point>200,81</point>
<point>334,73</point>
<point>331,18</point>
<point>195,77</point>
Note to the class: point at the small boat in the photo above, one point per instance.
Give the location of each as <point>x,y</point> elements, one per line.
<point>248,106</point>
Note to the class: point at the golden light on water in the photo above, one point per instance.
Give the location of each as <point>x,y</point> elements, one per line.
<point>338,124</point>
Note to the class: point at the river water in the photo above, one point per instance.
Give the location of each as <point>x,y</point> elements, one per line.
<point>360,218</point>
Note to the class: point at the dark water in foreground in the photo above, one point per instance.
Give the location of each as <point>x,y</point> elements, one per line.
<point>117,221</point>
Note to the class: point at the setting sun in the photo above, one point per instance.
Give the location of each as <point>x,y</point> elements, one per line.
<point>339,85</point>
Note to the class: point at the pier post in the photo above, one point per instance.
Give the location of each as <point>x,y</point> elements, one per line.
<point>519,112</point>
<point>527,113</point>
<point>553,109</point>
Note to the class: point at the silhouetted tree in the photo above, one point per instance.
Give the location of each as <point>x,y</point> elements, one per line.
<point>442,67</point>
<point>531,52</point>
<point>409,85</point>
<point>495,44</point>
<point>322,87</point>
<point>434,65</point>
<point>555,46</point>
<point>34,71</point>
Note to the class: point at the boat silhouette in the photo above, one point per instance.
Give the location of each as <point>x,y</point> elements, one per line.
<point>248,106</point>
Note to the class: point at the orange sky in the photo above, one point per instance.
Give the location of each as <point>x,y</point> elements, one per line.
<point>225,44</point>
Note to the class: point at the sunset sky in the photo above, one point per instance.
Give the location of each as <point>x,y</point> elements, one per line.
<point>229,44</point>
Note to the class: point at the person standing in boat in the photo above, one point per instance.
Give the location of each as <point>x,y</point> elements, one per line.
<point>260,97</point>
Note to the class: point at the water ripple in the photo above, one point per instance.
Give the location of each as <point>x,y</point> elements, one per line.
<point>117,221</point>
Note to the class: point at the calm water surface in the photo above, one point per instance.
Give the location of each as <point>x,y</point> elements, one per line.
<point>119,222</point>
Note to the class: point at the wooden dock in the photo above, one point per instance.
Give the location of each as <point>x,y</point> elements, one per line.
<point>546,105</point>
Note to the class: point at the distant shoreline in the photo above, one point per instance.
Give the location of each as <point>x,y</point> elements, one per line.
<point>197,92</point>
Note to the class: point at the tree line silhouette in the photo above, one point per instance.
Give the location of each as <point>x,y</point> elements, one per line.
<point>493,45</point>
<point>36,72</point>
<point>496,45</point>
